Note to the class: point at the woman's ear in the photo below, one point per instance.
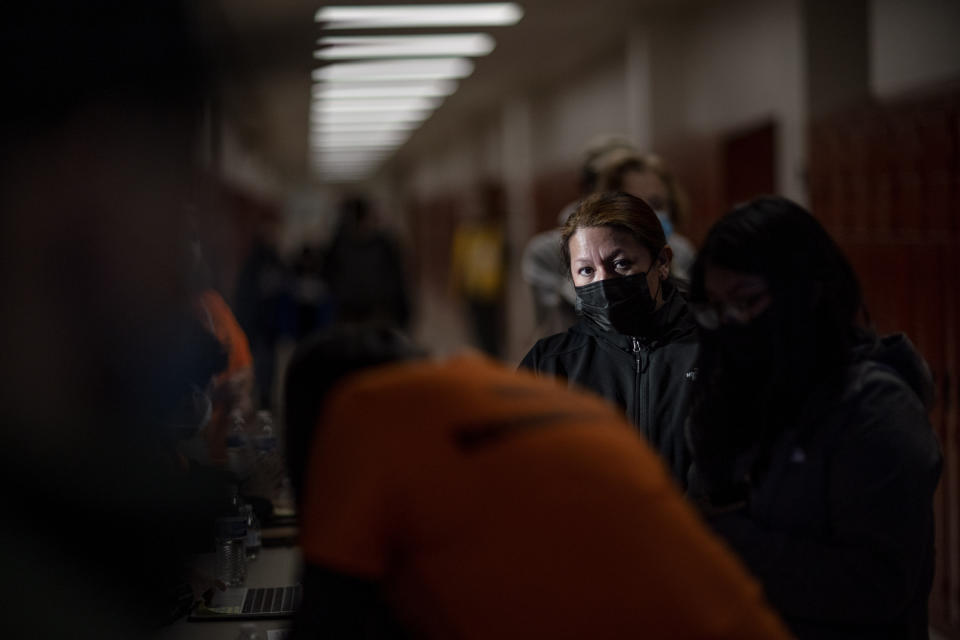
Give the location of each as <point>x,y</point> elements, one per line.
<point>663,262</point>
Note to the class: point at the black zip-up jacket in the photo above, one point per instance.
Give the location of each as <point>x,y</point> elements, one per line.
<point>650,377</point>
<point>840,528</point>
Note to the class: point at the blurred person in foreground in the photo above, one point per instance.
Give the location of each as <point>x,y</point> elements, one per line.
<point>635,343</point>
<point>813,454</point>
<point>99,337</point>
<point>542,264</point>
<point>647,177</point>
<point>460,499</point>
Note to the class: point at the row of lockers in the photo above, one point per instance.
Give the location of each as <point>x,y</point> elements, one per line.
<point>885,181</point>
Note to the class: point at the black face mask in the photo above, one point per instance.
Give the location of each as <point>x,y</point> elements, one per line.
<point>622,305</point>
<point>746,350</point>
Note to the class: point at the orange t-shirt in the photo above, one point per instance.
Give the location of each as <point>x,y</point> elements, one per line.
<point>238,375</point>
<point>220,321</point>
<point>494,504</point>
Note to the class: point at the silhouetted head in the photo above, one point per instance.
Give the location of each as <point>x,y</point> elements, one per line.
<point>781,249</point>
<point>646,176</point>
<point>318,366</point>
<point>594,156</point>
<point>777,303</point>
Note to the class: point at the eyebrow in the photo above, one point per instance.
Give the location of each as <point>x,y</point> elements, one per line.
<point>615,253</point>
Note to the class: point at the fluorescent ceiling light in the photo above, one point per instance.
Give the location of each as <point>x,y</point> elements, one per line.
<point>345,169</point>
<point>353,47</point>
<point>336,171</point>
<point>361,127</point>
<point>435,15</point>
<point>354,156</point>
<point>344,165</point>
<point>336,144</point>
<point>344,176</point>
<point>365,117</point>
<point>359,135</point>
<point>338,161</point>
<point>348,162</point>
<point>351,154</point>
<point>356,145</point>
<point>375,104</point>
<point>341,91</point>
<point>395,70</point>
<point>328,139</point>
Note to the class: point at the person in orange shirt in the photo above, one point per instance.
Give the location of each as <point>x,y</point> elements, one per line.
<point>233,386</point>
<point>461,499</point>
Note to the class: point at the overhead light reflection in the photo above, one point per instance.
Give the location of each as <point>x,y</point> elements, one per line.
<point>361,127</point>
<point>375,104</point>
<point>350,146</point>
<point>436,15</point>
<point>392,138</point>
<point>341,91</point>
<point>355,47</point>
<point>323,118</point>
<point>395,70</point>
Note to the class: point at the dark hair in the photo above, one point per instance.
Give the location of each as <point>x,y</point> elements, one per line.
<point>778,239</point>
<point>806,336</point>
<point>619,210</point>
<point>320,364</point>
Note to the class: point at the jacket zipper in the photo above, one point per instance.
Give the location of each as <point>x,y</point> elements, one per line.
<point>636,389</point>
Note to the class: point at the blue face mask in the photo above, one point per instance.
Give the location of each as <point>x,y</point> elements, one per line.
<point>665,223</point>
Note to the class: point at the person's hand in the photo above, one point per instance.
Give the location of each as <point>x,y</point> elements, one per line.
<point>203,586</point>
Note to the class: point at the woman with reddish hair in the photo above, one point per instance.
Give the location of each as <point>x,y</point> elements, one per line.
<point>635,343</point>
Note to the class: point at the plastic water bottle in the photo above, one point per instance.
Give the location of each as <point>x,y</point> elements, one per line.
<point>265,439</point>
<point>231,550</point>
<point>253,541</point>
<point>269,467</point>
<point>239,457</point>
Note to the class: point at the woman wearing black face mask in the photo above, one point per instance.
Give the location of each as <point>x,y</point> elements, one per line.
<point>635,342</point>
<point>813,455</point>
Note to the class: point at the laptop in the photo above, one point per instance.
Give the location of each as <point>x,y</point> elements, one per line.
<point>250,603</point>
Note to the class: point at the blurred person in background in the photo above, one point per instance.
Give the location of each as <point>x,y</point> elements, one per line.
<point>459,499</point>
<point>478,267</point>
<point>232,387</point>
<point>646,177</point>
<point>542,265</point>
<point>635,343</point>
<point>99,335</point>
<point>813,454</point>
<point>264,302</point>
<point>364,269</point>
<point>312,296</point>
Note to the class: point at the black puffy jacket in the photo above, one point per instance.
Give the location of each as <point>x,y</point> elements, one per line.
<point>839,528</point>
<point>651,377</point>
